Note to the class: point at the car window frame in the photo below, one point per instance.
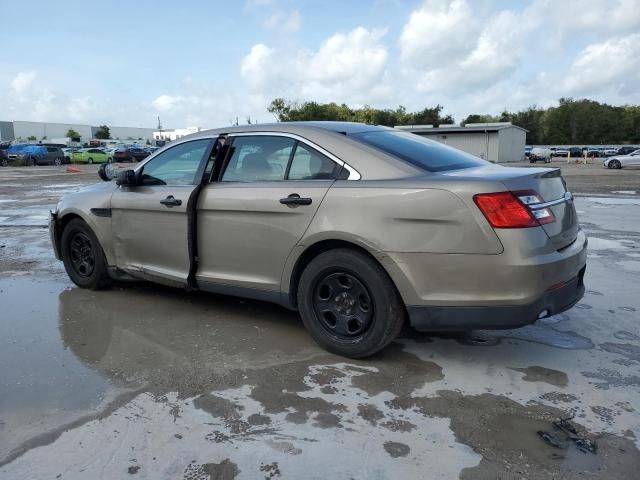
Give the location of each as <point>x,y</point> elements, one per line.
<point>353,173</point>
<point>199,171</point>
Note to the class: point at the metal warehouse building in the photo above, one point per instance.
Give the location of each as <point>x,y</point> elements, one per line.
<point>19,130</point>
<point>498,142</point>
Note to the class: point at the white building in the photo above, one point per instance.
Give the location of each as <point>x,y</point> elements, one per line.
<point>498,142</point>
<point>175,134</point>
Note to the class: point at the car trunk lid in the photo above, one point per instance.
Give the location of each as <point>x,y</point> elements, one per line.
<point>552,191</point>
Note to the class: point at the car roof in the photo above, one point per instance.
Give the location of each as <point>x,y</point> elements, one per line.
<point>333,137</point>
<point>295,127</point>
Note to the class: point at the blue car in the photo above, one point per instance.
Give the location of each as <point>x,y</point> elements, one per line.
<point>32,155</point>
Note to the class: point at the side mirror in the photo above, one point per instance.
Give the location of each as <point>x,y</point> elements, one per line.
<point>105,172</point>
<point>127,178</point>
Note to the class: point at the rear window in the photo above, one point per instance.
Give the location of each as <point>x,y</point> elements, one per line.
<point>419,151</point>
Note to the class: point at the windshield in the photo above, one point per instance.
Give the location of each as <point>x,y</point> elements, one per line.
<point>419,151</point>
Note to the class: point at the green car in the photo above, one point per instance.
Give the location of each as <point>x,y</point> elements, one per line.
<point>90,155</point>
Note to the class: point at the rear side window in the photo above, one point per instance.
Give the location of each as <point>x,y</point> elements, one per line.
<point>419,151</point>
<point>308,164</point>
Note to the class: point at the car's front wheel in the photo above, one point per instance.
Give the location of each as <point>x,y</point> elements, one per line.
<point>615,164</point>
<point>83,257</point>
<point>58,162</point>
<point>349,304</point>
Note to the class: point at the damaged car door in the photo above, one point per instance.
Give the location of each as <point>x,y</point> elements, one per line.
<point>150,218</point>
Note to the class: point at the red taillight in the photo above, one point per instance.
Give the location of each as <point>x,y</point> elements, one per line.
<point>505,210</point>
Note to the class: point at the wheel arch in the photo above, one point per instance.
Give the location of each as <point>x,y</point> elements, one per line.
<point>309,252</point>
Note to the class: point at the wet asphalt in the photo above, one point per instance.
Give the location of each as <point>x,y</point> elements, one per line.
<point>144,381</point>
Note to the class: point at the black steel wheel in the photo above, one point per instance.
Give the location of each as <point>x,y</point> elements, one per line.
<point>349,304</point>
<point>342,304</point>
<point>82,254</point>
<point>83,257</point>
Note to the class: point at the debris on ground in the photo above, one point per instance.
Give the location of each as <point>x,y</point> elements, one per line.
<point>133,469</point>
<point>570,433</point>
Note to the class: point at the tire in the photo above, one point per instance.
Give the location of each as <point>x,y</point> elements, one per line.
<point>83,256</point>
<point>58,162</point>
<point>33,162</point>
<point>4,162</point>
<point>343,283</point>
<point>90,161</point>
<point>615,164</point>
<point>109,160</point>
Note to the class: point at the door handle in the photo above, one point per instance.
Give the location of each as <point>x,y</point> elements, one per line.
<point>170,201</point>
<point>294,199</point>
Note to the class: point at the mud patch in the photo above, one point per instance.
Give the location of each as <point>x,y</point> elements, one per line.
<point>370,413</point>
<point>605,414</point>
<point>396,425</point>
<point>398,372</point>
<point>545,375</point>
<point>504,432</point>
<point>397,449</point>
<point>612,378</point>
<point>257,419</point>
<point>559,397</point>
<point>225,470</point>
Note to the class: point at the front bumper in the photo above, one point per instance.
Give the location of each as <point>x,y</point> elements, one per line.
<point>498,317</point>
<point>53,234</point>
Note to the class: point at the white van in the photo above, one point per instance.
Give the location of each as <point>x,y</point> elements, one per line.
<point>540,154</point>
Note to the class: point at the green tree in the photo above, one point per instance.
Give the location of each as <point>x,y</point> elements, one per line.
<point>103,133</point>
<point>31,138</point>
<point>73,135</point>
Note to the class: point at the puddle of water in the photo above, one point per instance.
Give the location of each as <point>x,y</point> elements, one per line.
<point>533,333</point>
<point>610,201</point>
<point>630,265</point>
<point>596,243</point>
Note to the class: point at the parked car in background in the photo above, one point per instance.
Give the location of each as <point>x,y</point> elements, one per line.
<point>594,152</point>
<point>68,151</point>
<point>90,155</point>
<point>129,154</point>
<point>620,161</point>
<point>449,241</point>
<point>538,154</point>
<point>626,150</point>
<point>27,154</point>
<point>561,152</point>
<point>609,152</point>
<point>151,150</point>
<point>4,157</point>
<point>576,152</point>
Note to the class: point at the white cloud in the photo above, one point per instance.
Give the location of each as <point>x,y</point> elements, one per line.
<point>441,31</point>
<point>346,67</point>
<point>291,22</point>
<point>23,81</point>
<point>609,66</point>
<point>164,103</point>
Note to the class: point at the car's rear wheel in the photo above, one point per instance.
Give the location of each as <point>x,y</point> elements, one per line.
<point>58,162</point>
<point>90,161</point>
<point>615,164</point>
<point>349,304</point>
<point>83,257</point>
<point>33,162</point>
<point>4,162</point>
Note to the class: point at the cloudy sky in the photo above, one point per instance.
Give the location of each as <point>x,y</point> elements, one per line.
<point>202,63</point>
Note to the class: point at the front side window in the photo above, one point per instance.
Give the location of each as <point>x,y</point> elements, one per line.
<point>258,158</point>
<point>176,166</point>
<point>308,164</point>
<point>419,151</point>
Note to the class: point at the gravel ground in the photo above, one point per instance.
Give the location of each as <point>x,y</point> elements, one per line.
<point>153,382</point>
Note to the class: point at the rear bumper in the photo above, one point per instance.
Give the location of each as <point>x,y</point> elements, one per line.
<point>497,317</point>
